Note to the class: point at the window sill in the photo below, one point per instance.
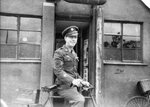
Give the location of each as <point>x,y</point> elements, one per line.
<point>124,63</point>
<point>19,61</point>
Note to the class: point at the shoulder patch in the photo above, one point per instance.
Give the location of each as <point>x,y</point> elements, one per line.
<point>58,64</point>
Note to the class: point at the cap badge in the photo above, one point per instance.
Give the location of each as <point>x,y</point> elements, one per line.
<point>72,29</point>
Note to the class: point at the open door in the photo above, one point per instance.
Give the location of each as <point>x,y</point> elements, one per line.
<point>81,48</point>
<point>83,36</point>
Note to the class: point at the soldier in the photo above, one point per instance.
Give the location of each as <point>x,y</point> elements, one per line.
<point>65,69</point>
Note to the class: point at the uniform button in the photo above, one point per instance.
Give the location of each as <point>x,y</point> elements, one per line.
<point>65,75</point>
<point>75,68</point>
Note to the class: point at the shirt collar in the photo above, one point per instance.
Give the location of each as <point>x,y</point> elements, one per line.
<point>67,49</point>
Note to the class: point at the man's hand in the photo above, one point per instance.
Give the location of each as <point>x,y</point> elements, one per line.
<point>85,83</point>
<point>77,82</point>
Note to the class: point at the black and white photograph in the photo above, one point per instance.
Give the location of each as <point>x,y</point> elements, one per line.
<point>74,53</point>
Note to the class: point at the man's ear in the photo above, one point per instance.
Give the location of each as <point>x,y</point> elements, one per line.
<point>64,37</point>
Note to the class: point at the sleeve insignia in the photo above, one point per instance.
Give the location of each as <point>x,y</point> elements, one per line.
<point>58,64</point>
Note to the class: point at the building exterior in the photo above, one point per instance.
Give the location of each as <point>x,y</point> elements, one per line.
<point>113,47</point>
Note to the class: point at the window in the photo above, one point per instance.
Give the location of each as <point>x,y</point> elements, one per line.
<point>20,37</point>
<point>122,41</point>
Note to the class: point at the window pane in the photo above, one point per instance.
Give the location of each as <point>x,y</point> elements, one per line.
<point>12,37</point>
<point>8,51</point>
<point>29,51</point>
<point>30,24</point>
<point>112,41</point>
<point>8,37</point>
<point>30,37</point>
<point>3,34</point>
<point>112,54</point>
<point>131,29</point>
<point>132,54</point>
<point>131,42</point>
<point>112,28</point>
<point>8,22</point>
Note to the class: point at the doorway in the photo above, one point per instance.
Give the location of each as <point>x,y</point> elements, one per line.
<point>81,48</point>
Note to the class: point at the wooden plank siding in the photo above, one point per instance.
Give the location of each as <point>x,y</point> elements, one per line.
<point>99,59</point>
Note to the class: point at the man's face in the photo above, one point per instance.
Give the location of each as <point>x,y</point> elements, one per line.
<point>71,40</point>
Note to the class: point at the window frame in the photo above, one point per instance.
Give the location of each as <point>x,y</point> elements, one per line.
<point>18,43</point>
<point>122,59</point>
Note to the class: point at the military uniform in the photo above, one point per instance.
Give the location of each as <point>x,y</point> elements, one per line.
<point>65,66</point>
<point>65,69</point>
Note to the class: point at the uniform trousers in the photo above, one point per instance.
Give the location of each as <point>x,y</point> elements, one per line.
<point>73,96</point>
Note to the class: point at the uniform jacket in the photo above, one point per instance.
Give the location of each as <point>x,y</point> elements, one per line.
<point>65,67</point>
